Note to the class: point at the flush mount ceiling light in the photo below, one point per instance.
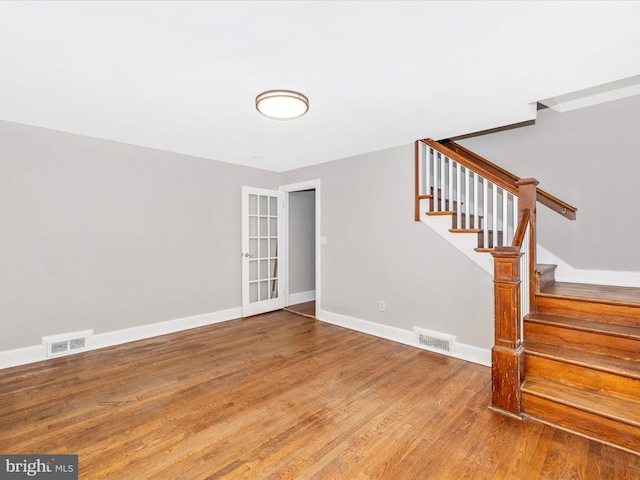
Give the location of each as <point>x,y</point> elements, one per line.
<point>282,104</point>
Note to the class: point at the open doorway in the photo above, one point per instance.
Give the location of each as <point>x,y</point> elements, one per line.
<point>302,253</point>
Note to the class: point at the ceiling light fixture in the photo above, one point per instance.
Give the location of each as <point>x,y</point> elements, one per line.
<point>282,104</point>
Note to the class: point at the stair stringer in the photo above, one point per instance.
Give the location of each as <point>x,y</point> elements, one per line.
<point>464,242</point>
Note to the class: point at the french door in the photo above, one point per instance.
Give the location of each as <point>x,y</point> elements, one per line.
<point>262,269</point>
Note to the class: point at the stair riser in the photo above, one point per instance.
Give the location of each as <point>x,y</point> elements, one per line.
<point>545,278</point>
<point>583,340</point>
<point>585,423</point>
<point>584,377</point>
<point>607,313</point>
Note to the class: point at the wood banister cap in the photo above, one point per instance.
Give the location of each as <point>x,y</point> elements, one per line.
<point>527,181</point>
<point>506,251</point>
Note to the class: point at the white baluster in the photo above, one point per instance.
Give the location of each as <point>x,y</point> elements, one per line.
<point>467,200</point>
<point>427,171</point>
<point>494,211</point>
<point>442,184</point>
<point>458,196</point>
<point>436,178</point>
<point>485,211</point>
<point>525,284</point>
<point>505,218</point>
<point>450,179</point>
<point>515,217</point>
<point>476,211</point>
<point>421,161</point>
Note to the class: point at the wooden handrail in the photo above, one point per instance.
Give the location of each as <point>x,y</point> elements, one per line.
<point>497,175</point>
<point>491,174</point>
<point>523,221</point>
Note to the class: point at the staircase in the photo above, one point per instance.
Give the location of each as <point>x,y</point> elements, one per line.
<point>565,354</point>
<point>582,360</point>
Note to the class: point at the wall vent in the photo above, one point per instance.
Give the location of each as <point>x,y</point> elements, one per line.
<point>435,341</point>
<point>66,343</point>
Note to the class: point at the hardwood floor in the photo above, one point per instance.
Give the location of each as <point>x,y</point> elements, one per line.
<point>307,308</point>
<point>282,396</point>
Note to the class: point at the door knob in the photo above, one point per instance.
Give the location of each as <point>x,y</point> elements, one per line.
<point>247,255</point>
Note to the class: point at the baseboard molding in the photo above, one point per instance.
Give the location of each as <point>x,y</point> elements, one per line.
<point>463,351</point>
<point>37,353</point>
<point>566,273</point>
<point>302,297</point>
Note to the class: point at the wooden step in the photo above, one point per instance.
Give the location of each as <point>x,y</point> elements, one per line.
<point>602,373</point>
<point>612,420</point>
<point>544,276</point>
<point>580,334</point>
<point>605,303</point>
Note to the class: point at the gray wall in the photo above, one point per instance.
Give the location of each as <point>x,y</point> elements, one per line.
<point>376,251</point>
<point>103,235</point>
<point>588,158</point>
<point>302,245</point>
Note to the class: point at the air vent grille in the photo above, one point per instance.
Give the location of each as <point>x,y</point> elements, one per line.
<point>66,343</point>
<point>435,341</point>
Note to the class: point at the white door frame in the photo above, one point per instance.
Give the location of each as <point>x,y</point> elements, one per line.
<point>297,187</point>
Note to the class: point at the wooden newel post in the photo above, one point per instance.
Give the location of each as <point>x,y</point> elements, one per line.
<point>507,354</point>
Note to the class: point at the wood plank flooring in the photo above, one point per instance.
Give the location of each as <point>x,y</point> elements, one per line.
<point>282,396</point>
<point>307,308</point>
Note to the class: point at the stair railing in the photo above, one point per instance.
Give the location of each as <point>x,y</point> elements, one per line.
<point>478,200</point>
<point>458,151</point>
<point>486,198</point>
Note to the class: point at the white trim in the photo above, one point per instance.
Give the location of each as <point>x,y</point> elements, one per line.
<point>36,353</point>
<point>467,243</point>
<point>566,273</point>
<point>463,351</point>
<point>301,297</point>
<point>297,187</point>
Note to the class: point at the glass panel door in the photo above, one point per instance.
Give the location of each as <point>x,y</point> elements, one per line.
<point>262,222</point>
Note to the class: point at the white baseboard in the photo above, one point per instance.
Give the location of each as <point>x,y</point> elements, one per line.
<point>301,297</point>
<point>463,351</point>
<point>566,273</point>
<point>37,353</point>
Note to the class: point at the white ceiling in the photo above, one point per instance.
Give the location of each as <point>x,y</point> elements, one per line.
<point>183,76</point>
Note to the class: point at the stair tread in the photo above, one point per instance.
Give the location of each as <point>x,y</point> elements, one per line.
<point>440,212</point>
<point>600,293</point>
<point>619,409</point>
<point>585,325</point>
<point>594,361</point>
<point>543,268</point>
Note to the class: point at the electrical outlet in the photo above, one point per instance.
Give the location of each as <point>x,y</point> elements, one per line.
<point>382,305</point>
